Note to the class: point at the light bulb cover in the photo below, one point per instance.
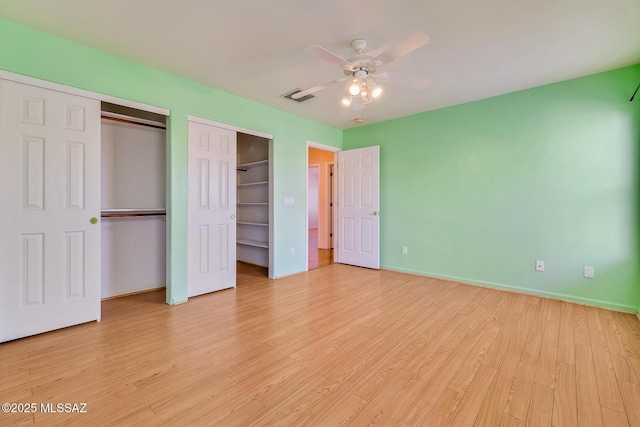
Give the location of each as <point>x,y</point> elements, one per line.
<point>374,89</point>
<point>346,99</point>
<point>354,88</point>
<point>364,92</point>
<point>365,97</point>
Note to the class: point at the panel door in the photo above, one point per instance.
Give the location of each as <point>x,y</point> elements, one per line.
<point>359,207</point>
<point>212,209</point>
<point>49,191</point>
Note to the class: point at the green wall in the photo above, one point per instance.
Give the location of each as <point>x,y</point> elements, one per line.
<point>32,53</point>
<point>480,191</point>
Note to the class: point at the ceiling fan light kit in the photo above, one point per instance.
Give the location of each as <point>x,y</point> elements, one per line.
<point>362,87</point>
<point>362,68</point>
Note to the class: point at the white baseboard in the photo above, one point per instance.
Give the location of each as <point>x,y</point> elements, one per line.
<point>536,292</point>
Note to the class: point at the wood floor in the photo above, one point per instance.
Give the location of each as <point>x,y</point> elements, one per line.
<point>318,257</point>
<point>334,346</point>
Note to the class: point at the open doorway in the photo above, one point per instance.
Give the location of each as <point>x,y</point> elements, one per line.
<point>353,216</point>
<point>320,207</point>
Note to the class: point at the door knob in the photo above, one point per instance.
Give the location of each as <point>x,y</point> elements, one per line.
<point>233,216</point>
<point>93,220</point>
<point>374,213</point>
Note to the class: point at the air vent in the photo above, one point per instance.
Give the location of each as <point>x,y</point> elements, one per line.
<point>304,98</point>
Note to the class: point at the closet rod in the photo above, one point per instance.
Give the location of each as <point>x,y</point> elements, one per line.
<point>120,213</point>
<point>132,120</point>
<point>116,215</point>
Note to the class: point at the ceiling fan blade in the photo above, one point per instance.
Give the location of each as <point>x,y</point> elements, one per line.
<point>315,89</point>
<point>403,47</point>
<point>403,80</point>
<point>330,57</point>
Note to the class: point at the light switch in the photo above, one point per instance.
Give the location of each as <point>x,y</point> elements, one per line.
<point>288,200</point>
<point>588,272</point>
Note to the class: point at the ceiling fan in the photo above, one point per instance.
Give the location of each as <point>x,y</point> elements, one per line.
<point>362,70</point>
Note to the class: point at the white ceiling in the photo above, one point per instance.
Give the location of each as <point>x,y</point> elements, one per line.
<point>253,49</point>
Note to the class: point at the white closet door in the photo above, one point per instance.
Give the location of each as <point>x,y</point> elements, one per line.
<point>359,207</point>
<point>212,209</point>
<point>49,193</point>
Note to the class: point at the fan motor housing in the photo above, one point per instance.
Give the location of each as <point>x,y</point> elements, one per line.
<point>360,61</point>
<point>361,69</point>
<point>360,73</point>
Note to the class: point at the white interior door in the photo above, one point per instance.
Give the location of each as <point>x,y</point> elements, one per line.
<point>212,208</point>
<point>49,193</point>
<point>359,207</point>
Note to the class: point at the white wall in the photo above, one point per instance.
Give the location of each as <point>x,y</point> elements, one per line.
<point>133,254</point>
<point>133,166</point>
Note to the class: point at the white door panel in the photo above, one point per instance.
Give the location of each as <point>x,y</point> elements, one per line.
<point>49,190</point>
<point>358,207</point>
<point>212,208</point>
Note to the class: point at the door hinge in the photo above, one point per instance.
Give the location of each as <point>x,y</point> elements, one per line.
<point>330,234</point>
<point>330,204</point>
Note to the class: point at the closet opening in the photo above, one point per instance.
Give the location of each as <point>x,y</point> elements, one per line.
<point>133,201</point>
<point>254,231</point>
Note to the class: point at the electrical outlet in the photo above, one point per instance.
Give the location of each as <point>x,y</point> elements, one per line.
<point>588,272</point>
<point>539,265</point>
<point>293,250</point>
<point>404,250</point>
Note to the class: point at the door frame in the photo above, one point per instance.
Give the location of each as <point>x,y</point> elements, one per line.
<point>334,150</point>
<point>19,78</point>
<point>331,186</point>
<point>268,136</point>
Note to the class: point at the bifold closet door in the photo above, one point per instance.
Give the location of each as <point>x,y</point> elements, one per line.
<point>49,209</point>
<point>212,209</point>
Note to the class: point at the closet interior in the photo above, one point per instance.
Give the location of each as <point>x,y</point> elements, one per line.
<point>133,196</point>
<point>253,198</point>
